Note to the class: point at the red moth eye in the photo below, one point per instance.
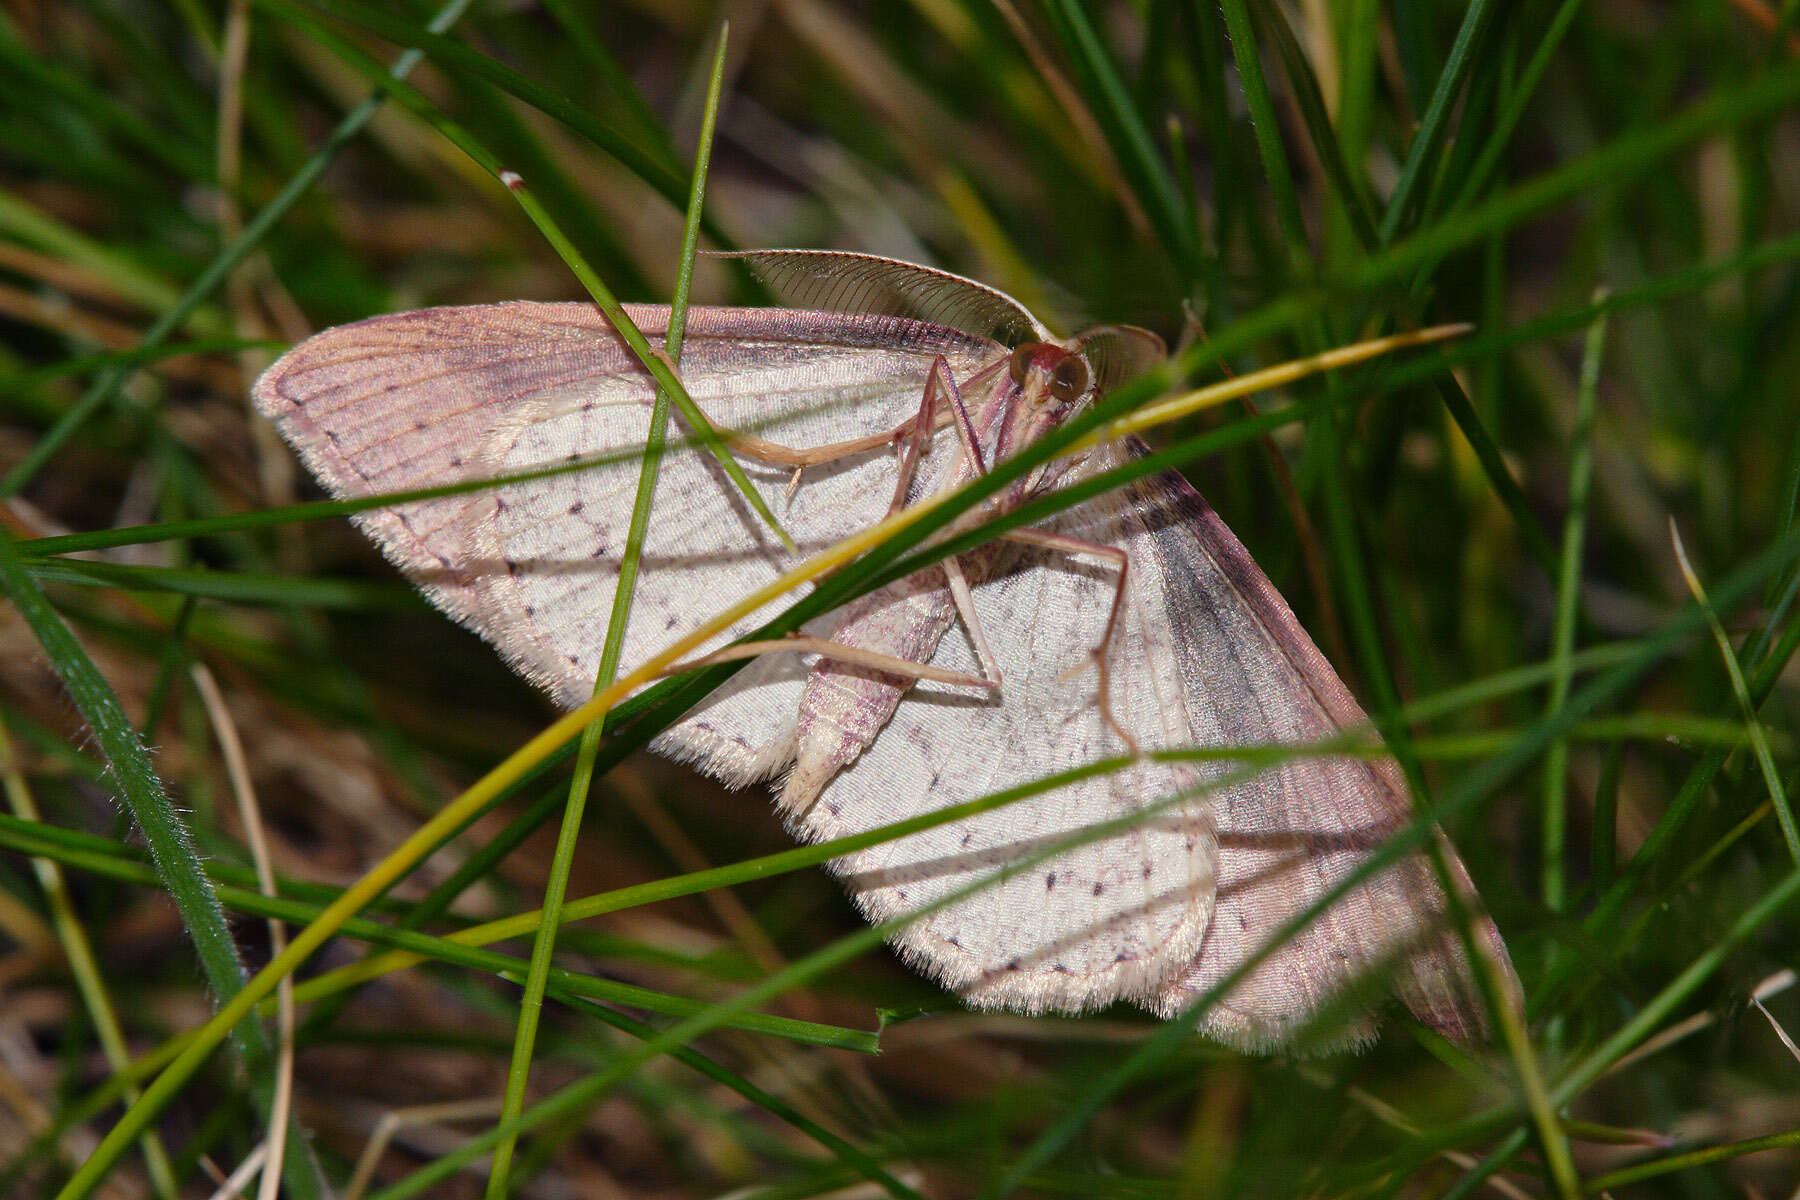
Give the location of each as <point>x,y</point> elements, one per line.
<point>1021,362</point>
<point>1070,378</point>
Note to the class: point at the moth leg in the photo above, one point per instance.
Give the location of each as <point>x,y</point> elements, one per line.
<point>938,380</point>
<point>776,454</point>
<point>941,390</point>
<point>965,608</point>
<point>838,651</point>
<point>941,376</point>
<point>940,393</point>
<point>1113,554</point>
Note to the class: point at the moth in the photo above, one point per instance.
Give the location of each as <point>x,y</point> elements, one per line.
<point>1132,621</point>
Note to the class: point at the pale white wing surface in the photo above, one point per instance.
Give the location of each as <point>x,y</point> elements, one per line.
<point>1292,833</point>
<point>1117,917</point>
<point>427,398</point>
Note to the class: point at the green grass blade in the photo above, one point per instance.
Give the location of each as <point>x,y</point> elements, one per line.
<point>544,945</point>
<point>171,843</point>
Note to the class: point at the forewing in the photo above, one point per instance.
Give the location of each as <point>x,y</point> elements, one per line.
<point>1291,834</point>
<point>1114,917</point>
<point>440,396</point>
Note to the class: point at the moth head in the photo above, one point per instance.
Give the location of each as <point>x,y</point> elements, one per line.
<point>1051,377</point>
<point>1052,383</point>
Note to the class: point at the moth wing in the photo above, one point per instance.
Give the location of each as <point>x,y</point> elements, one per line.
<point>1111,918</point>
<point>1292,833</point>
<point>445,395</point>
<point>842,281</point>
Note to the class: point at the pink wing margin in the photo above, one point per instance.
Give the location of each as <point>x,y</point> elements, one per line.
<point>1294,832</point>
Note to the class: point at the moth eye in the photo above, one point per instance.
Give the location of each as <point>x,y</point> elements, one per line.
<point>1070,379</point>
<point>1021,363</point>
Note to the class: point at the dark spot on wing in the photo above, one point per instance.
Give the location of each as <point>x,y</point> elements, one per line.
<point>1050,881</point>
<point>575,508</point>
<point>1098,888</point>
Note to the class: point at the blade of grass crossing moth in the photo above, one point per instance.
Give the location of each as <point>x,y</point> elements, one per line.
<point>102,391</point>
<point>891,560</point>
<point>1272,319</point>
<point>544,945</point>
<point>586,1092</point>
<point>458,136</point>
<point>171,842</point>
<point>655,363</point>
